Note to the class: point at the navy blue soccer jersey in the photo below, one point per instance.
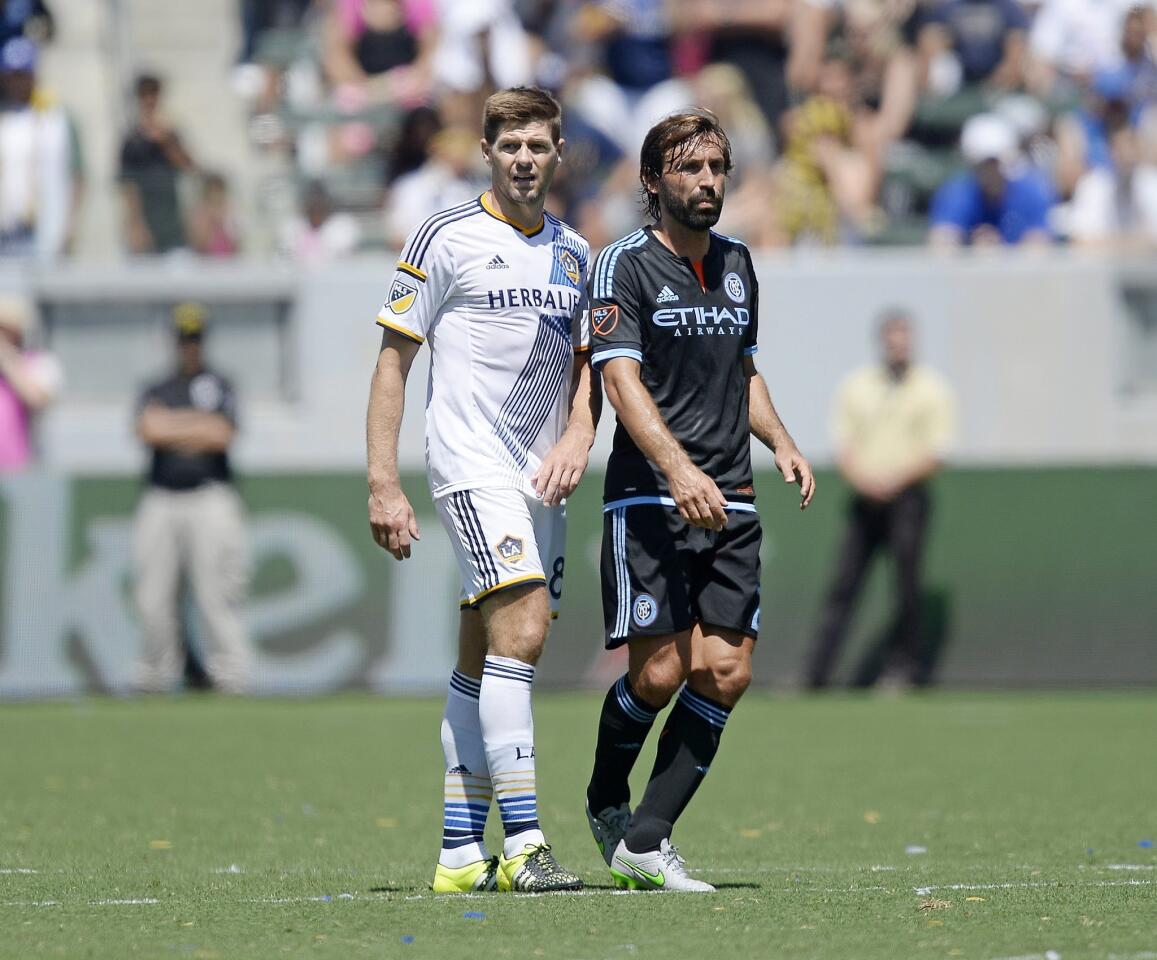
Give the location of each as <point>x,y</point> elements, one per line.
<point>690,339</point>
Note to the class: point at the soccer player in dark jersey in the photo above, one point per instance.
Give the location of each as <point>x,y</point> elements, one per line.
<point>674,316</point>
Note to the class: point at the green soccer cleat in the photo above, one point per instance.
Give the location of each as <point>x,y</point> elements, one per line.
<point>609,827</point>
<point>661,869</point>
<point>535,870</point>
<point>474,877</point>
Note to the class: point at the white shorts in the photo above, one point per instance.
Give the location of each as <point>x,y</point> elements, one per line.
<point>503,538</point>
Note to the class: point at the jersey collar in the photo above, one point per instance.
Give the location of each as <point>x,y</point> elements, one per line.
<point>499,215</point>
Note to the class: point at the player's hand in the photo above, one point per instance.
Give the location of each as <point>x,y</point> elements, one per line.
<point>698,498</point>
<point>392,521</point>
<point>795,469</point>
<point>561,470</point>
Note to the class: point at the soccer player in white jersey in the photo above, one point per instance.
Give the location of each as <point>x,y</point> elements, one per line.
<point>496,286</point>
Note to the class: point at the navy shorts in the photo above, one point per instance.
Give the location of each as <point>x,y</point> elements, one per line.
<point>661,575</point>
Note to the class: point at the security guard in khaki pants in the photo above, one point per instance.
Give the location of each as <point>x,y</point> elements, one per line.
<point>190,519</point>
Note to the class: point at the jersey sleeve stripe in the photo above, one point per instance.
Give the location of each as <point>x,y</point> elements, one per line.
<point>408,334</point>
<point>750,351</point>
<point>609,258</point>
<point>411,270</point>
<point>420,243</point>
<point>599,357</point>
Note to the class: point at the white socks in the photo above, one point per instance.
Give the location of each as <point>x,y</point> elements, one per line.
<point>508,734</point>
<point>467,790</point>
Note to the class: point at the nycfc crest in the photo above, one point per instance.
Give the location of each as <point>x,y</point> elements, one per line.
<point>644,610</point>
<point>734,287</point>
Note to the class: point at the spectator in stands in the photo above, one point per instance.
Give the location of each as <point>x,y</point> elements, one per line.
<point>1117,205</point>
<point>481,47</point>
<point>631,84</point>
<point>259,17</point>
<point>320,233</point>
<point>26,18</point>
<point>722,89</point>
<point>824,187</point>
<point>997,200</point>
<point>212,224</point>
<point>886,76</point>
<point>382,48</point>
<point>811,21</point>
<point>1082,135</point>
<point>190,519</point>
<point>986,38</point>
<point>750,35</point>
<point>1139,60</point>
<point>892,422</point>
<point>153,158</point>
<point>1073,39</point>
<point>29,381</point>
<point>40,169</point>
<point>454,173</point>
<point>411,148</point>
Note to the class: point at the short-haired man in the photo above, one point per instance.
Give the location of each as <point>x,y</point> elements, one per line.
<point>674,315</point>
<point>190,518</point>
<point>496,286</point>
<point>893,421</point>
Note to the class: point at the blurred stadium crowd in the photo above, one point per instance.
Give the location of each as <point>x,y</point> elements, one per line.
<point>852,121</point>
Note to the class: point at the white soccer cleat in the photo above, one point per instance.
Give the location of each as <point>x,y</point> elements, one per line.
<point>609,828</point>
<point>661,869</point>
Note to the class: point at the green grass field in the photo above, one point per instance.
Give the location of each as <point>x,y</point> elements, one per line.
<point>949,825</point>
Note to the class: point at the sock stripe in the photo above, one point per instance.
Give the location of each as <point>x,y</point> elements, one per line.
<point>708,710</point>
<point>464,685</point>
<point>506,671</point>
<point>631,705</point>
<point>452,840</point>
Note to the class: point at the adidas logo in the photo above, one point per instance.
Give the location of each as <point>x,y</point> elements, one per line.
<point>666,295</point>
<point>498,264</point>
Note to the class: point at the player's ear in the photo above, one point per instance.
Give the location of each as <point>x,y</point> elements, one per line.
<point>485,150</point>
<point>558,147</point>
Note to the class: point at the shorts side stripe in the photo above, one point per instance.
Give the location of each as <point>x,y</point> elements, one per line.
<point>486,559</point>
<point>470,536</point>
<point>622,576</point>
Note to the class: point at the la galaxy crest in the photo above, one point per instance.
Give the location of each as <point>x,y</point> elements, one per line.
<point>566,270</point>
<point>402,296</point>
<point>510,549</point>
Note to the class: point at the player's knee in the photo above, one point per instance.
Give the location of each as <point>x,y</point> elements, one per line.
<point>659,680</point>
<point>729,679</point>
<point>524,644</point>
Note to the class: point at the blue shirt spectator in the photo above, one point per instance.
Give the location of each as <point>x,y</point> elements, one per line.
<point>1023,207</point>
<point>998,199</point>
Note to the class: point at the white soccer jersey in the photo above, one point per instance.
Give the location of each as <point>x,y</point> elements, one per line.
<point>503,309</point>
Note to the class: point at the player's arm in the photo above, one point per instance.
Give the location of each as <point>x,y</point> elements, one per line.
<point>565,463</point>
<point>769,430</point>
<point>695,494</point>
<point>392,519</point>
